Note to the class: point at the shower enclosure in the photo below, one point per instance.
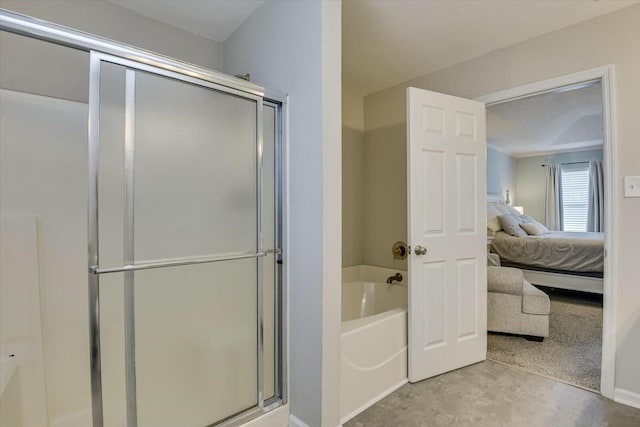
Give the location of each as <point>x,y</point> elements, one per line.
<point>185,226</point>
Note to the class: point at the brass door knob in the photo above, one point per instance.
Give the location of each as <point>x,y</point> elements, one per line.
<point>400,250</point>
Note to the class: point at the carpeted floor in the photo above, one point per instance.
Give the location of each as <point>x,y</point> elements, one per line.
<point>571,353</point>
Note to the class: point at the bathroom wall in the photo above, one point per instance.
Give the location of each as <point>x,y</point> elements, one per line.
<point>353,179</point>
<point>385,205</point>
<point>531,178</point>
<point>608,39</point>
<point>501,174</point>
<point>294,46</point>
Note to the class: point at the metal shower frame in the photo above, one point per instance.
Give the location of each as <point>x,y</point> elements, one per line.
<point>105,50</point>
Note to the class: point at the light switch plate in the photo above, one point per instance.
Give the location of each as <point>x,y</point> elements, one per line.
<point>632,186</point>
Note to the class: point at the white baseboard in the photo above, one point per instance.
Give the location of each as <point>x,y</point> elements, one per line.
<point>278,417</point>
<point>626,397</point>
<point>374,400</point>
<point>296,422</point>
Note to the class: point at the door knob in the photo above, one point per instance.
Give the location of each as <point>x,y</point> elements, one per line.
<point>400,250</point>
<point>420,250</point>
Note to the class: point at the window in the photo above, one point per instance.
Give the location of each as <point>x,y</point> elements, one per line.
<point>575,196</point>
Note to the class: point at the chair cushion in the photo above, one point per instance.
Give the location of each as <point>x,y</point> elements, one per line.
<point>505,280</point>
<point>534,301</point>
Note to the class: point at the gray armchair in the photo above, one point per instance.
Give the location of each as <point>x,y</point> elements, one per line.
<point>514,305</point>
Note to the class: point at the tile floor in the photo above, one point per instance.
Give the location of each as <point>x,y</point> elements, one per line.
<point>490,394</point>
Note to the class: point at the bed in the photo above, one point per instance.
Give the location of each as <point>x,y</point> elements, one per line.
<point>565,260</point>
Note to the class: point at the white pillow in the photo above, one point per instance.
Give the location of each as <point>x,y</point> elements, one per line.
<point>499,208</point>
<point>513,210</point>
<point>493,225</point>
<point>494,210</point>
<point>511,224</point>
<point>534,228</point>
<point>527,218</point>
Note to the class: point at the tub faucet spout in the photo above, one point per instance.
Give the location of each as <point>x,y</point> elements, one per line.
<point>396,277</point>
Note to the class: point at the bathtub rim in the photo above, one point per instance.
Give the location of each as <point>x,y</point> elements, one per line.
<point>370,273</point>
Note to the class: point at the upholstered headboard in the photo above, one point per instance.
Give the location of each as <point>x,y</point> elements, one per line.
<point>493,225</point>
<point>495,198</point>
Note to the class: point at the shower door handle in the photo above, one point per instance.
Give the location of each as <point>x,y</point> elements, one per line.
<point>420,250</point>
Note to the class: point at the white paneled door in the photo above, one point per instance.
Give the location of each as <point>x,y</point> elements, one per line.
<point>447,216</point>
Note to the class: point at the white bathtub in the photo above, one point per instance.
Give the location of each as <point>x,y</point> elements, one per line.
<point>374,337</point>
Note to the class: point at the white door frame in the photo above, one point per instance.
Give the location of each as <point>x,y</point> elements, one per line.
<point>606,76</point>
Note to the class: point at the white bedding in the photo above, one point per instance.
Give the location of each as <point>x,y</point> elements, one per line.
<point>568,251</point>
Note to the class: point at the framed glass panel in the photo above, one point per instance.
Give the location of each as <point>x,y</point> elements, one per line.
<point>195,170</point>
<point>196,343</point>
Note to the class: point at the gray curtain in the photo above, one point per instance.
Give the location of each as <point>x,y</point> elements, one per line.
<point>553,206</point>
<point>595,220</point>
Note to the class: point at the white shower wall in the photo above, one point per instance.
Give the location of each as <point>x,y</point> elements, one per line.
<point>22,382</point>
<point>52,185</point>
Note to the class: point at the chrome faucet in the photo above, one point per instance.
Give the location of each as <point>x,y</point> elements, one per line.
<point>397,277</point>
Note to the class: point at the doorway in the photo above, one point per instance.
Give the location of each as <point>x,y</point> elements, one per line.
<point>602,77</point>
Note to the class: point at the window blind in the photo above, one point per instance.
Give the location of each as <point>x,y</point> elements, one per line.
<point>575,196</point>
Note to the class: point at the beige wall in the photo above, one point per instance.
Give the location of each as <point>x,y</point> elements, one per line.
<point>385,221</point>
<point>353,163</point>
<point>371,173</point>
<point>609,39</point>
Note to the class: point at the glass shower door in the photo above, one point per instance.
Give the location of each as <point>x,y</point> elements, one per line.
<point>186,275</point>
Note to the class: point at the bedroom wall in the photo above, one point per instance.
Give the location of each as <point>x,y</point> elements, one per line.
<point>501,174</point>
<point>353,184</point>
<point>609,39</point>
<point>531,178</point>
<point>71,80</point>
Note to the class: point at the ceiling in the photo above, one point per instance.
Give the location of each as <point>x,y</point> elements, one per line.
<point>569,120</point>
<point>213,19</point>
<point>387,42</point>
